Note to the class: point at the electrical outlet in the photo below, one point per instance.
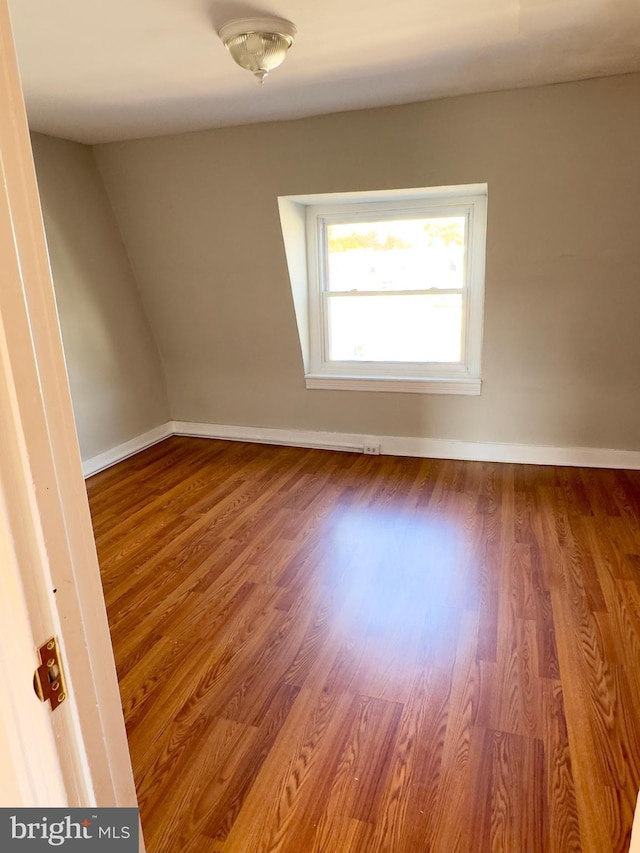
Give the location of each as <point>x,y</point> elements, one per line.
<point>371,449</point>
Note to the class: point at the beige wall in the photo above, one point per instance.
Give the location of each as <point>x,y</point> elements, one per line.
<point>561,350</point>
<point>116,378</point>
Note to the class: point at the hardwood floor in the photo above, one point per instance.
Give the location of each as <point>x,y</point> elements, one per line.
<point>325,652</point>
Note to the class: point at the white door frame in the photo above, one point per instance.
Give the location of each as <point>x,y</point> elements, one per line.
<point>50,580</point>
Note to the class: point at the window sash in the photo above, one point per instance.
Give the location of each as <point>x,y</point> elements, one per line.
<point>420,212</point>
<point>414,365</point>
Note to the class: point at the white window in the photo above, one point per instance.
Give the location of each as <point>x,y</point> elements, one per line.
<point>396,291</point>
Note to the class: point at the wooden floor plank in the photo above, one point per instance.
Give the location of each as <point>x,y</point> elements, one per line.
<point>326,652</point>
<point>511,810</point>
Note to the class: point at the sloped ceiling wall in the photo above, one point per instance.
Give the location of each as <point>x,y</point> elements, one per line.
<point>117,381</point>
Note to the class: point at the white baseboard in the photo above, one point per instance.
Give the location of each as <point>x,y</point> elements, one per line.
<point>431,448</point>
<point>267,435</point>
<point>390,445</point>
<point>122,451</point>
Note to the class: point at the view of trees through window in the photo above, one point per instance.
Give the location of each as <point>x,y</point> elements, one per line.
<point>394,289</point>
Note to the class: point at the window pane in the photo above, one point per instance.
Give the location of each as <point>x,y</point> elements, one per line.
<point>397,254</point>
<point>395,328</point>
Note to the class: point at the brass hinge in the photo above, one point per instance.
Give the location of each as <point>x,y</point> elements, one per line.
<point>48,679</point>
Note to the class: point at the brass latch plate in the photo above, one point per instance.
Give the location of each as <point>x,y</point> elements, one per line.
<point>48,679</point>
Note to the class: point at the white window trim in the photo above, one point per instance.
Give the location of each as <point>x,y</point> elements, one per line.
<point>320,373</point>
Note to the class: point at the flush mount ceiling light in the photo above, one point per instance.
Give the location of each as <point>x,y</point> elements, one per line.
<point>258,44</point>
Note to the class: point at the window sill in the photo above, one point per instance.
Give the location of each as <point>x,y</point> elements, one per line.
<point>404,385</point>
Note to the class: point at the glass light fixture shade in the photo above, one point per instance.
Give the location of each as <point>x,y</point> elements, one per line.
<point>258,44</point>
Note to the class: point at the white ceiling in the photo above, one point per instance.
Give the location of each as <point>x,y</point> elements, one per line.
<point>100,70</point>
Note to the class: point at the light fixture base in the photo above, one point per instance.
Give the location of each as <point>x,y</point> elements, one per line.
<point>240,26</point>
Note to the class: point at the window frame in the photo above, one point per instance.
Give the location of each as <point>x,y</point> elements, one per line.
<point>423,377</point>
